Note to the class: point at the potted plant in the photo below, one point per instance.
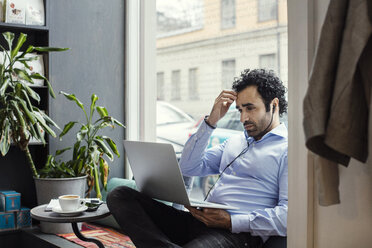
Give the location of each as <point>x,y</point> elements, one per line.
<point>90,150</point>
<point>20,117</point>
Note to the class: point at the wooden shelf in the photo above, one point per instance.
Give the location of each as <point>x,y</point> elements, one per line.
<point>23,27</point>
<point>38,86</point>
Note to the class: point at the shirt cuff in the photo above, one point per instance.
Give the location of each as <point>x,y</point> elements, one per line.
<point>209,125</point>
<point>240,223</point>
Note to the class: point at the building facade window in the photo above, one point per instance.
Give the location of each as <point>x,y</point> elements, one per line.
<point>193,84</point>
<point>268,61</point>
<point>228,16</point>
<point>267,10</point>
<point>176,85</point>
<point>228,73</point>
<point>160,85</point>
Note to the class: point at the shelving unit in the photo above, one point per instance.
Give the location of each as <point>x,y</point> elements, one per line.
<point>15,173</point>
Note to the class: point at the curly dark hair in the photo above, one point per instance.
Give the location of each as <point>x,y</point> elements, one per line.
<point>268,85</point>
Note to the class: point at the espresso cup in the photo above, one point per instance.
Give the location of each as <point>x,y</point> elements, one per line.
<point>70,203</point>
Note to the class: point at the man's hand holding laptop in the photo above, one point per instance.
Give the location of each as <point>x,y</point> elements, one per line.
<point>212,217</point>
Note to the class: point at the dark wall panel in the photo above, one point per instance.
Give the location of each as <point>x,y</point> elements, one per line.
<point>94,32</point>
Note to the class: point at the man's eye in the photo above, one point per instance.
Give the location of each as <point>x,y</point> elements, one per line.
<point>250,108</point>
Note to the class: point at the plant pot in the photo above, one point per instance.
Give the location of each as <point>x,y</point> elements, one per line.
<point>51,188</point>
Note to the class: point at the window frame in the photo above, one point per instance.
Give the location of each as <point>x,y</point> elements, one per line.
<point>300,51</point>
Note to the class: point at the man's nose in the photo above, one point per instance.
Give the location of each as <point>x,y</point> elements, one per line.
<point>243,117</point>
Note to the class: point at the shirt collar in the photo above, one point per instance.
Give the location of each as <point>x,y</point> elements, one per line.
<point>280,130</point>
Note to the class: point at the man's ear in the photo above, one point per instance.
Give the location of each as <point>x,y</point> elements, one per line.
<point>275,103</point>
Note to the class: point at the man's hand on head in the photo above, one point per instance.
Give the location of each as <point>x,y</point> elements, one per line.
<point>212,217</point>
<point>221,106</point>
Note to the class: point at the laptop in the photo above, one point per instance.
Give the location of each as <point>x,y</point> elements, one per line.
<point>158,175</point>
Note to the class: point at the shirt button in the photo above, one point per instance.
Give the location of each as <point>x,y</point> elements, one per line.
<point>245,244</point>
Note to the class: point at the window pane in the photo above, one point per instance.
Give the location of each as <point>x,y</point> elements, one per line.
<point>202,45</point>
<point>228,73</point>
<point>193,84</point>
<point>227,13</point>
<point>268,61</point>
<point>267,10</point>
<point>176,85</point>
<point>160,85</point>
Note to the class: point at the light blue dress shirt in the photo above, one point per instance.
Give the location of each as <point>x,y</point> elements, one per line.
<point>256,182</point>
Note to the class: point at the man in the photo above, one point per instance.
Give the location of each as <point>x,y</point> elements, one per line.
<point>253,177</point>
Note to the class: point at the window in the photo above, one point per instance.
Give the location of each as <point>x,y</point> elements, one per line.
<point>199,63</point>
<point>193,84</point>
<point>160,85</point>
<point>268,61</point>
<point>231,121</point>
<point>169,115</point>
<point>227,14</point>
<point>267,10</point>
<point>176,85</point>
<point>227,73</point>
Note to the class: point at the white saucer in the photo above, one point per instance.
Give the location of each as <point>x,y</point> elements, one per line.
<point>58,210</point>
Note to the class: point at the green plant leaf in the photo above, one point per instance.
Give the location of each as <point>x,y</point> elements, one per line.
<point>31,93</point>
<point>102,111</point>
<point>50,49</point>
<point>81,134</point>
<point>18,113</point>
<point>22,74</point>
<point>21,39</point>
<point>112,145</point>
<point>93,98</point>
<point>118,122</point>
<point>59,152</point>
<point>49,161</point>
<point>25,59</point>
<point>76,149</point>
<point>39,76</point>
<point>27,99</point>
<point>67,128</point>
<point>48,119</point>
<point>72,97</point>
<point>5,138</point>
<point>104,148</point>
<point>9,37</point>
<point>45,126</point>
<point>28,113</point>
<point>39,134</point>
<point>81,152</point>
<point>4,86</point>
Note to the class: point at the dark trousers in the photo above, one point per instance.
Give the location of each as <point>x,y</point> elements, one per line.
<point>150,223</point>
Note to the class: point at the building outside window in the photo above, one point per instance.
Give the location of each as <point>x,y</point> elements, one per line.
<point>267,10</point>
<point>193,84</point>
<point>160,85</point>
<point>228,17</point>
<point>268,61</point>
<point>227,73</point>
<point>211,42</point>
<point>176,85</point>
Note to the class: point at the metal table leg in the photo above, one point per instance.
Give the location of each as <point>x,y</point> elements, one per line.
<point>80,236</point>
